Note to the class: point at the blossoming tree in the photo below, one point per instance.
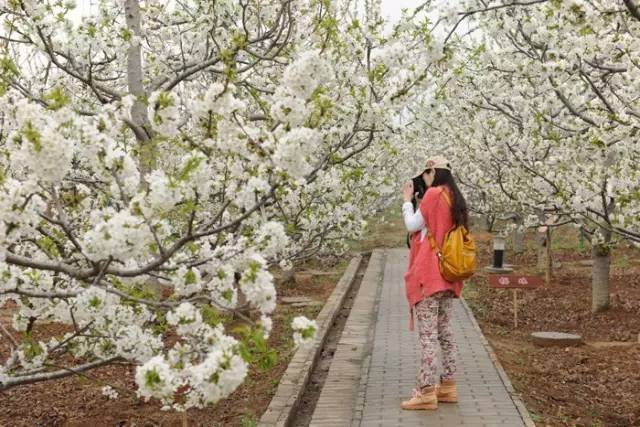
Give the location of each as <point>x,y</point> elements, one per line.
<point>188,146</point>
<point>551,95</point>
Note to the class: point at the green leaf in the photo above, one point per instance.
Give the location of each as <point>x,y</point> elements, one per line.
<point>8,71</point>
<point>32,136</point>
<point>192,164</point>
<point>48,245</point>
<point>190,277</point>
<point>125,34</point>
<point>152,378</point>
<point>255,350</point>
<point>211,316</point>
<point>378,73</point>
<point>586,30</point>
<point>57,98</point>
<point>95,302</point>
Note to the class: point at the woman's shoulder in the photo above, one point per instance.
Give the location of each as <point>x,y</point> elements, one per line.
<point>435,192</point>
<point>430,199</point>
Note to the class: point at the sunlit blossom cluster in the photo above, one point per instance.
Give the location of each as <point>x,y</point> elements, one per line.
<point>153,178</point>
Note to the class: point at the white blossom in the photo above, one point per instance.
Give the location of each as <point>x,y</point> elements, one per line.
<point>304,330</point>
<point>257,284</point>
<point>109,392</point>
<point>149,198</point>
<point>155,379</point>
<point>267,324</point>
<point>164,113</point>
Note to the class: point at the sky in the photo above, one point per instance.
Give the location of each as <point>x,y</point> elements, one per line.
<point>391,8</point>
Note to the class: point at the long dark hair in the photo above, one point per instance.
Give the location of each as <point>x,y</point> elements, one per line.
<point>459,209</point>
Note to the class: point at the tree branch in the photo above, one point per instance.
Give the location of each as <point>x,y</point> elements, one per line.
<point>570,107</point>
<point>62,373</point>
<point>633,9</point>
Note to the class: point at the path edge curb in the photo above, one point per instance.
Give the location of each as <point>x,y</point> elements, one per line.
<point>515,396</point>
<point>340,392</point>
<point>296,377</point>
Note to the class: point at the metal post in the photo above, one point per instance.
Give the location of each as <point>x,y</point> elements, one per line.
<point>498,256</point>
<point>498,251</point>
<point>515,308</point>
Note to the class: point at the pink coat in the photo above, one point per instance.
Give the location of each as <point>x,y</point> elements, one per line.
<point>423,276</point>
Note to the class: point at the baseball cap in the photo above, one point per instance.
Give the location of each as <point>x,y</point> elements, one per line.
<point>435,162</point>
<point>438,162</point>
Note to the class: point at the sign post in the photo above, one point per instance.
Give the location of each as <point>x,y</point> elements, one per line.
<point>514,282</point>
<point>515,307</point>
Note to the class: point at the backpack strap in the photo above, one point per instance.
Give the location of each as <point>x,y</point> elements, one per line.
<point>434,245</point>
<point>446,196</point>
<point>432,239</point>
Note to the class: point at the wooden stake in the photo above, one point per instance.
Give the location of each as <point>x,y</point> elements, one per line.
<point>549,259</point>
<point>185,421</point>
<point>515,307</point>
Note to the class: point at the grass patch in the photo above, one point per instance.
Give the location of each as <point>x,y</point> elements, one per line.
<point>249,421</point>
<point>621,261</point>
<point>384,230</point>
<point>567,239</point>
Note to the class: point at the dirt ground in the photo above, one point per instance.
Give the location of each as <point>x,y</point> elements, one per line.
<point>78,401</point>
<point>578,386</point>
<point>592,385</point>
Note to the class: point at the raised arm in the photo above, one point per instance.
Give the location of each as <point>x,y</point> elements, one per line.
<point>412,220</point>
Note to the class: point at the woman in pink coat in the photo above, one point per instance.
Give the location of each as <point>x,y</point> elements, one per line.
<point>430,296</point>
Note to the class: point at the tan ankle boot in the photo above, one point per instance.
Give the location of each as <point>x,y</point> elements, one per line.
<point>422,399</point>
<point>447,392</point>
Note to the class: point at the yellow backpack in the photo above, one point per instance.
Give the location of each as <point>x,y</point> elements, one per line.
<point>457,257</point>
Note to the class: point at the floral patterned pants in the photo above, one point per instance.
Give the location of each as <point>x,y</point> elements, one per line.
<point>434,323</point>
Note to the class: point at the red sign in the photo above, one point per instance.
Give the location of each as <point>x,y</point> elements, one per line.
<point>514,281</point>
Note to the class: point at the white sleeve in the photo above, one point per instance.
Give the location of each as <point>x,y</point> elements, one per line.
<point>412,220</point>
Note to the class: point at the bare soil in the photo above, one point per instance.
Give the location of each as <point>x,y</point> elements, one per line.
<point>591,385</point>
<point>596,384</point>
<point>78,401</point>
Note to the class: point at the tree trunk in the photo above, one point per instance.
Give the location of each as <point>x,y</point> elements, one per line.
<point>581,239</point>
<point>488,222</point>
<point>134,61</point>
<point>518,236</point>
<point>601,255</point>
<point>139,119</point>
<point>548,257</point>
<point>541,239</point>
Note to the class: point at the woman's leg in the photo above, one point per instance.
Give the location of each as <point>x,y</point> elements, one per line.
<point>427,314</point>
<point>446,338</point>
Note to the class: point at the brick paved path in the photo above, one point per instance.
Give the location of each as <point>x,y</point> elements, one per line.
<point>484,399</point>
<point>391,365</point>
